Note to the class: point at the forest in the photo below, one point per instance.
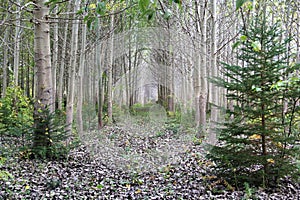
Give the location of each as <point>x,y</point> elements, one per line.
<point>150,99</point>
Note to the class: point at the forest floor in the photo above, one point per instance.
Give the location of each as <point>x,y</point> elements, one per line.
<point>89,174</point>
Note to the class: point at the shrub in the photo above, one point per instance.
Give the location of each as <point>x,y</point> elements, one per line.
<point>16,117</point>
<point>18,134</point>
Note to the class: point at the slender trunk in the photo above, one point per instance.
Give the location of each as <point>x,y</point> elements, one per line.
<point>60,85</point>
<point>72,71</point>
<point>110,77</point>
<point>80,80</point>
<point>196,84</point>
<point>100,82</point>
<point>5,64</point>
<point>42,57</point>
<point>17,45</point>
<point>55,57</point>
<point>197,68</point>
<point>214,73</point>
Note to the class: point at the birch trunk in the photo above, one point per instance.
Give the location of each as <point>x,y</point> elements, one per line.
<point>42,57</point>
<point>17,45</point>
<point>55,57</point>
<point>110,66</point>
<point>5,63</point>
<point>80,80</point>
<point>60,86</point>
<point>72,71</point>
<point>197,81</point>
<point>100,82</point>
<point>203,69</point>
<point>214,73</point>
<point>196,84</point>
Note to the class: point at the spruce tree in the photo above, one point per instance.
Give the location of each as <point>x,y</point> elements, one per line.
<point>257,143</point>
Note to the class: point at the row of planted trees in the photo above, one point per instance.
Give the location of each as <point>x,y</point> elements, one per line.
<point>94,56</point>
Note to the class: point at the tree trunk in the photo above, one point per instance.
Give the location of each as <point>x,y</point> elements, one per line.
<point>80,80</point>
<point>100,82</point>
<point>62,63</point>
<point>17,45</point>
<point>72,71</point>
<point>5,64</point>
<point>203,69</point>
<point>214,73</point>
<point>55,57</point>
<point>42,57</point>
<point>109,75</point>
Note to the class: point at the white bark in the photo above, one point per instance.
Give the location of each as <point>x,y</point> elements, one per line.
<point>60,86</point>
<point>72,71</point>
<point>17,45</point>
<point>42,55</point>
<point>42,58</point>
<point>5,62</point>
<point>98,63</point>
<point>80,80</point>
<point>109,74</point>
<point>55,57</point>
<point>203,74</point>
<point>214,73</point>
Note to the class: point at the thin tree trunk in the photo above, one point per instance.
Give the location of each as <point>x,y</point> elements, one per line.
<point>42,57</point>
<point>110,77</point>
<point>72,71</point>
<point>100,82</point>
<point>62,63</point>
<point>80,80</point>
<point>197,68</point>
<point>5,64</point>
<point>214,72</point>
<point>17,45</point>
<point>55,57</point>
<point>203,69</point>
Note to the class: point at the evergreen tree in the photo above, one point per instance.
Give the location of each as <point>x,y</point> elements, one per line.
<point>257,143</point>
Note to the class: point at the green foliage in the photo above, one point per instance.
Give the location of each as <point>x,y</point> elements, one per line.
<point>249,192</point>
<point>4,175</point>
<point>240,3</point>
<point>173,125</point>
<point>139,109</point>
<point>16,111</point>
<point>42,137</point>
<point>258,146</point>
<point>51,140</point>
<point>16,117</point>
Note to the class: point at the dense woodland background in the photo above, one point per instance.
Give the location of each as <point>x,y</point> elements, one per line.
<point>94,52</point>
<point>70,67</point>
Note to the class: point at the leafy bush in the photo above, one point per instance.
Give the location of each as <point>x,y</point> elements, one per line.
<point>18,134</point>
<point>16,117</point>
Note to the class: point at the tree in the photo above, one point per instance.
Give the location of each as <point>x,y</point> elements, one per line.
<point>60,85</point>
<point>80,80</point>
<point>214,73</point>
<point>72,71</point>
<point>255,146</point>
<point>17,44</point>
<point>42,58</point>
